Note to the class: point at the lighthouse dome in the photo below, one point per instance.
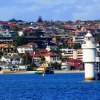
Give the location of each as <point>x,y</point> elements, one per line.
<point>88,35</point>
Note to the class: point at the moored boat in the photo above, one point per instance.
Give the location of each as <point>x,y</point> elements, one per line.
<point>45,69</point>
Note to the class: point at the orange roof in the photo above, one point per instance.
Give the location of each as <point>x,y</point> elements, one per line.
<point>27,29</point>
<point>32,55</point>
<point>2,45</point>
<point>43,51</point>
<point>32,43</point>
<point>67,26</point>
<point>24,46</point>
<point>70,42</point>
<point>12,25</point>
<point>5,45</point>
<point>47,54</point>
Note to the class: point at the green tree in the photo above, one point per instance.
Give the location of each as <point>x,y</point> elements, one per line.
<point>97,38</point>
<point>1,54</point>
<point>26,59</point>
<point>32,67</point>
<point>42,59</point>
<point>56,66</point>
<point>13,20</point>
<point>20,40</point>
<point>56,51</point>
<point>77,46</point>
<point>40,19</point>
<point>15,29</point>
<point>38,33</point>
<point>65,58</point>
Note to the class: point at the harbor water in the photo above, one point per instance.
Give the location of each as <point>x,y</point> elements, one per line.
<point>59,86</point>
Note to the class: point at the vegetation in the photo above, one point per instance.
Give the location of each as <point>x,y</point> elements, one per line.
<point>56,51</point>
<point>77,46</point>
<point>20,40</point>
<point>40,19</point>
<point>55,26</point>
<point>42,59</point>
<point>38,33</point>
<point>1,54</point>
<point>26,59</point>
<point>98,39</point>
<point>56,66</point>
<point>32,67</point>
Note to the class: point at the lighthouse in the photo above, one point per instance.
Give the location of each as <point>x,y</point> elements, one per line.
<point>89,56</point>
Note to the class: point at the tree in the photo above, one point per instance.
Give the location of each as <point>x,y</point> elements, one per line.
<point>27,59</point>
<point>77,46</point>
<point>15,29</point>
<point>32,67</point>
<point>78,21</point>
<point>38,33</point>
<point>13,20</point>
<point>20,40</point>
<point>65,58</point>
<point>42,59</point>
<point>97,38</point>
<point>1,54</point>
<point>56,51</point>
<point>40,19</point>
<point>56,66</point>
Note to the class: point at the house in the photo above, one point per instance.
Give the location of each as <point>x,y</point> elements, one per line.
<point>48,30</point>
<point>60,31</point>
<point>13,58</point>
<point>78,39</point>
<point>4,25</point>
<point>65,65</point>
<point>7,33</point>
<point>12,25</point>
<point>7,39</point>
<point>25,49</point>
<point>28,29</point>
<point>33,44</point>
<point>51,57</point>
<point>35,57</point>
<point>22,67</point>
<point>76,64</point>
<point>9,66</point>
<point>6,47</point>
<point>20,33</point>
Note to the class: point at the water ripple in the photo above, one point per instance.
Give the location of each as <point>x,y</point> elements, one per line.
<point>67,86</point>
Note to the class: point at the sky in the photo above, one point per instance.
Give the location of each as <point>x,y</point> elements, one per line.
<point>63,10</point>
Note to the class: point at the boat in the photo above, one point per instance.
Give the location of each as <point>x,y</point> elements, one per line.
<point>49,71</point>
<point>44,69</point>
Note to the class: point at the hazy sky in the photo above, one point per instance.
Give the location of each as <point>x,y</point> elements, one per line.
<point>30,10</point>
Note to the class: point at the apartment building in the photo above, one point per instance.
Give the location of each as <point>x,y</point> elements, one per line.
<point>73,54</point>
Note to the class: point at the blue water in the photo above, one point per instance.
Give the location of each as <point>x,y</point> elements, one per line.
<point>66,86</point>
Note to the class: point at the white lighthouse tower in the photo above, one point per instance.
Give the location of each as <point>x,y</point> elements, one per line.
<point>89,56</point>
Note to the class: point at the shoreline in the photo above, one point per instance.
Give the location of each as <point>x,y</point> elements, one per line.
<point>33,72</point>
<point>68,71</point>
<point>55,72</point>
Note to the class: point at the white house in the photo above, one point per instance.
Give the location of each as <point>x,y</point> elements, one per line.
<point>65,65</point>
<point>50,57</point>
<point>13,58</point>
<point>32,44</point>
<point>22,67</point>
<point>25,49</point>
